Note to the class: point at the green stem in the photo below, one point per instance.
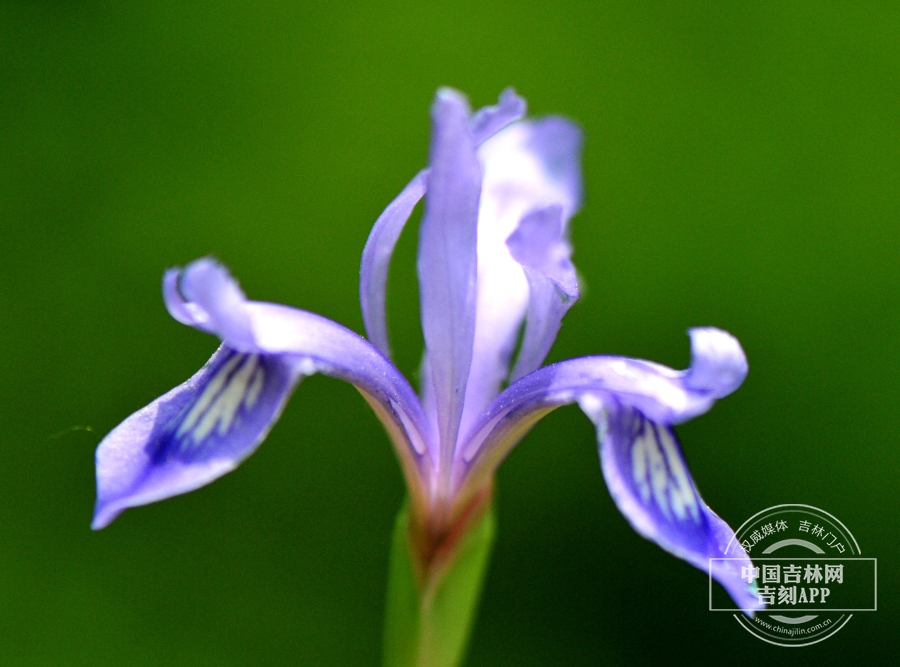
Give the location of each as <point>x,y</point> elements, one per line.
<point>434,586</point>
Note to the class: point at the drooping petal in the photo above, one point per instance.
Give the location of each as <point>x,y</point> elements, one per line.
<point>194,434</point>
<point>447,262</point>
<point>529,167</point>
<point>662,394</point>
<point>634,404</point>
<point>376,257</point>
<point>207,426</point>
<point>650,483</point>
<point>540,246</point>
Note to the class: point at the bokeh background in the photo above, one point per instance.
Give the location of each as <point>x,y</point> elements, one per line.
<point>742,169</point>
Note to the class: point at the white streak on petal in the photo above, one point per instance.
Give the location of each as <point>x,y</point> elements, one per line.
<point>681,491</point>
<point>236,394</point>
<point>659,478</point>
<point>222,411</point>
<point>209,394</point>
<point>639,469</point>
<point>256,385</point>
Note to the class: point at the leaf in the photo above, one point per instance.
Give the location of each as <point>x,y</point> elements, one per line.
<point>429,613</point>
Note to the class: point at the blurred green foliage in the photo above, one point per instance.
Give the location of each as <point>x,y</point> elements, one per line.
<point>742,169</point>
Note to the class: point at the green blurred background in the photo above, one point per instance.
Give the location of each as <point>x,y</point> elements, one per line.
<point>742,169</point>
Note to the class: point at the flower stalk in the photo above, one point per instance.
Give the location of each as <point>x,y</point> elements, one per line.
<point>434,585</point>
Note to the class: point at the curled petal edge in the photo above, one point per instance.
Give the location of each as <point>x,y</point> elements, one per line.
<point>151,455</point>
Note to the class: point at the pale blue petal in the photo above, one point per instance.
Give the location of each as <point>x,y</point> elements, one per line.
<point>207,426</point>
<point>376,260</point>
<point>719,365</point>
<point>376,257</point>
<point>529,166</point>
<point>662,394</point>
<point>205,296</point>
<point>649,480</point>
<point>486,122</point>
<point>447,262</point>
<point>540,246</point>
<point>634,404</point>
<point>192,435</point>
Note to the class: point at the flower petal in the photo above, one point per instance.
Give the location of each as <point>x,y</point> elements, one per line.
<point>634,403</point>
<point>204,296</point>
<point>650,483</point>
<point>719,365</point>
<point>662,394</point>
<point>487,121</point>
<point>376,257</point>
<point>539,245</point>
<point>376,260</point>
<point>194,434</point>
<point>447,262</point>
<point>529,166</point>
<point>207,426</point>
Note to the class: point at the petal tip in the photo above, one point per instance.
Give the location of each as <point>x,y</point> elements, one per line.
<point>719,364</point>
<point>104,515</point>
<point>448,98</point>
<point>206,296</point>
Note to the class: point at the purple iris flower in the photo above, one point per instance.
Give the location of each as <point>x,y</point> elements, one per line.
<point>494,269</point>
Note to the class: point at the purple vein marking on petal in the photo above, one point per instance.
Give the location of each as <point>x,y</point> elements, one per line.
<point>447,262</point>
<point>192,435</point>
<point>383,238</point>
<point>244,392</point>
<point>204,428</point>
<point>649,480</point>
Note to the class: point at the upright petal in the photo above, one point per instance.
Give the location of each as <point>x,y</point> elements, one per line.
<point>376,260</point>
<point>634,404</point>
<point>376,257</point>
<point>529,167</point>
<point>204,428</point>
<point>447,262</point>
<point>540,246</point>
<point>487,121</point>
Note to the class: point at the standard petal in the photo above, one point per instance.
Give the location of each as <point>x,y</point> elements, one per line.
<point>447,262</point>
<point>486,122</point>
<point>376,257</point>
<point>204,428</point>
<point>650,483</point>
<point>540,246</point>
<point>529,167</point>
<point>376,260</point>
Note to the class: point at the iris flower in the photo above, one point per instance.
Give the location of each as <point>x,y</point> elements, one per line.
<point>495,279</point>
